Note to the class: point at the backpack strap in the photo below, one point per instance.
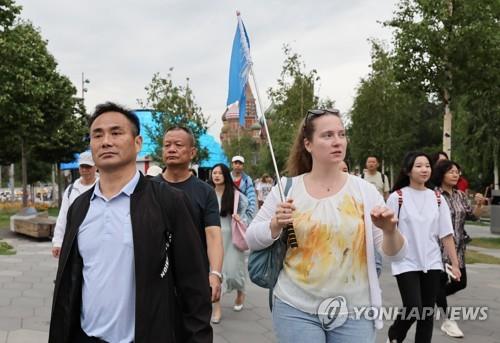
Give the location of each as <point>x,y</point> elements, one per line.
<point>288,186</point>
<point>438,197</point>
<point>400,200</point>
<point>236,197</point>
<point>70,189</point>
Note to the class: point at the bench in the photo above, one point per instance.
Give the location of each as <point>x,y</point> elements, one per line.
<point>37,226</point>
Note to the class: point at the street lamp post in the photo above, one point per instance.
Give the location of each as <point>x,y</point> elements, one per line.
<point>84,90</point>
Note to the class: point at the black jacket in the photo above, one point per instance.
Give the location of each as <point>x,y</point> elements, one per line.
<point>158,213</point>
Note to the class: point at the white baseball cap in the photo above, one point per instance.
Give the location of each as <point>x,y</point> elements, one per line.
<point>153,171</point>
<point>238,158</point>
<point>86,159</point>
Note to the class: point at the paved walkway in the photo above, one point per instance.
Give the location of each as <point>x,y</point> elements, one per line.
<point>26,285</point>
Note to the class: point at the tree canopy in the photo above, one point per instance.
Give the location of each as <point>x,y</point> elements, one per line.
<point>41,118</point>
<point>291,98</point>
<point>173,105</point>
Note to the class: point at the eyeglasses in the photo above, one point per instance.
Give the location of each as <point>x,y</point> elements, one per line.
<point>454,172</point>
<point>315,113</point>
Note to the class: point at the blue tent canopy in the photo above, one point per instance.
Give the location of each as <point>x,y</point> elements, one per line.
<point>216,154</point>
<point>70,165</point>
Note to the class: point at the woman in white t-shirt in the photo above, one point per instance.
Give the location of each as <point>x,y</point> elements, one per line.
<point>424,218</point>
<point>336,218</point>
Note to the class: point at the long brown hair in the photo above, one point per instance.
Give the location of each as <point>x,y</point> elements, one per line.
<point>300,160</point>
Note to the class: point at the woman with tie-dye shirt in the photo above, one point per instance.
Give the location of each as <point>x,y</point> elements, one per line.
<point>338,219</point>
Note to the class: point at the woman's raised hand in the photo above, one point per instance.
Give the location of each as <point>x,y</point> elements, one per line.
<point>384,218</point>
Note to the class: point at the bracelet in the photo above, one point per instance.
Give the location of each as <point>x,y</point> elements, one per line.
<point>216,273</point>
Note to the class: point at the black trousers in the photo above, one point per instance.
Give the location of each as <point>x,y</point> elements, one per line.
<point>449,288</point>
<point>418,292</point>
<point>81,337</point>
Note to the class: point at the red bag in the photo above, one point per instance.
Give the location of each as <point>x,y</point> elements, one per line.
<point>238,228</point>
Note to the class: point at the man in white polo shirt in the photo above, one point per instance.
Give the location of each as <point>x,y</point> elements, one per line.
<point>87,179</point>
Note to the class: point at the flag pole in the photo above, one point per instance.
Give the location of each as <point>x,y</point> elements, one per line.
<point>268,136</point>
<point>240,68</point>
<point>292,239</point>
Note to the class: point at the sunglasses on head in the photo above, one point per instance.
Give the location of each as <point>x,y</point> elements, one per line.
<point>311,114</point>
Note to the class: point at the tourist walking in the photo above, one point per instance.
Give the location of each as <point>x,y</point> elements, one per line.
<point>337,219</point>
<point>233,270</point>
<point>179,149</point>
<point>131,262</point>
<point>87,179</point>
<point>445,175</point>
<point>244,183</point>
<point>423,218</point>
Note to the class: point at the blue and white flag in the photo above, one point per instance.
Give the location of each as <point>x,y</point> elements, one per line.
<point>241,63</point>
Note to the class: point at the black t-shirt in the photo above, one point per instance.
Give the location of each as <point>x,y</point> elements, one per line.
<point>204,201</point>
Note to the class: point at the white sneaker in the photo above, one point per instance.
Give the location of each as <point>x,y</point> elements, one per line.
<point>450,327</point>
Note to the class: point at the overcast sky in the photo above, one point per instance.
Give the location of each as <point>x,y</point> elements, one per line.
<point>120,44</point>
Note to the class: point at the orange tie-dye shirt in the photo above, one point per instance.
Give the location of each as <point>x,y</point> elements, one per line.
<point>331,257</point>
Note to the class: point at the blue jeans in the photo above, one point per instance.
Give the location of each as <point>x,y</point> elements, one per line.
<point>292,325</point>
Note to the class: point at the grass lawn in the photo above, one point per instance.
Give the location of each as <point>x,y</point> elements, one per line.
<point>490,243</point>
<point>472,257</point>
<point>5,218</point>
<point>6,249</point>
<point>6,213</point>
<point>53,211</point>
<point>477,223</point>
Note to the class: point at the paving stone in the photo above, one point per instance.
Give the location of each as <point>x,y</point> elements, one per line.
<point>43,311</point>
<point>27,336</point>
<point>36,323</point>
<point>220,339</point>
<point>37,293</point>
<point>10,273</point>
<point>6,278</point>
<point>16,311</point>
<point>26,278</point>
<point>8,323</point>
<point>27,301</point>
<point>9,293</point>
<point>25,313</point>
<point>17,285</point>
<point>10,259</point>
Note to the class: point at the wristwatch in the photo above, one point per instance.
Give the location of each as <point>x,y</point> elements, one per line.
<point>216,273</point>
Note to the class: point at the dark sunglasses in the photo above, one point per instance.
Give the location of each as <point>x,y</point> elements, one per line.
<point>315,113</point>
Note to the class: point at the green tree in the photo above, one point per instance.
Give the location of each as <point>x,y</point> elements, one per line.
<point>8,13</point>
<point>173,105</point>
<point>291,99</point>
<point>438,45</point>
<point>249,148</point>
<point>36,102</point>
<point>425,44</point>
<point>386,120</point>
<point>478,117</point>
<point>449,49</point>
